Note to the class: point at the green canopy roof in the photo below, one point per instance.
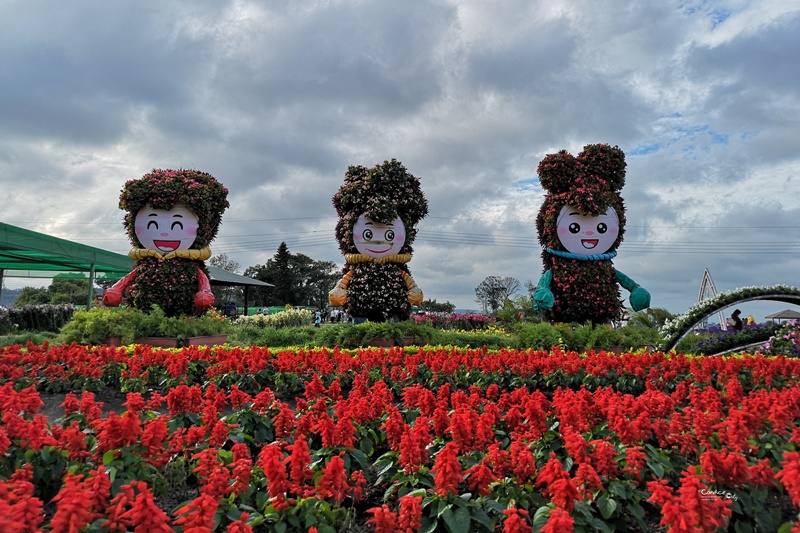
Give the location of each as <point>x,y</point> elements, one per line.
<point>28,254</point>
<point>25,253</point>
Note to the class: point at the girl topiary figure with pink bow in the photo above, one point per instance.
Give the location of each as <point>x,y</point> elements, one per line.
<point>580,227</point>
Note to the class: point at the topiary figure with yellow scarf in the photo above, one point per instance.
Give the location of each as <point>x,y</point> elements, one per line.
<point>172,216</point>
<point>379,209</point>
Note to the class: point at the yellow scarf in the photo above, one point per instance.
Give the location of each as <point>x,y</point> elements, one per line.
<point>196,255</point>
<point>352,259</point>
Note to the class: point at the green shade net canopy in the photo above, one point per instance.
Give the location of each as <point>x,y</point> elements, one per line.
<point>28,254</point>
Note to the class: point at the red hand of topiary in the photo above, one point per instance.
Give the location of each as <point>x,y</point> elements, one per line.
<point>203,298</point>
<point>112,297</point>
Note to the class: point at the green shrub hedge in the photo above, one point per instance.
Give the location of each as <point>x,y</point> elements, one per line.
<point>43,317</point>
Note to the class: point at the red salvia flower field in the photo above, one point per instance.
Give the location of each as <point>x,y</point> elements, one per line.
<point>398,441</point>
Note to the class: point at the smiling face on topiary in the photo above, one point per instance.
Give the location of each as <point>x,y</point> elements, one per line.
<point>585,234</point>
<point>378,240</point>
<point>381,195</point>
<point>168,205</point>
<point>166,230</point>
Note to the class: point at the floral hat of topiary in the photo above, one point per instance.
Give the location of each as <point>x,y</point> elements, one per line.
<point>381,193</point>
<point>590,183</point>
<point>200,192</point>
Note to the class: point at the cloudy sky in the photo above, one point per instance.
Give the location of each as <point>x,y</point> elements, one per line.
<point>277,98</point>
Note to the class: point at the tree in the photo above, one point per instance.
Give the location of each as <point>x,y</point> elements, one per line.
<point>283,291</point>
<point>432,306</point>
<point>495,290</point>
<point>297,278</point>
<point>62,290</point>
<point>226,293</point>
<point>225,263</point>
<point>32,296</point>
<point>312,280</point>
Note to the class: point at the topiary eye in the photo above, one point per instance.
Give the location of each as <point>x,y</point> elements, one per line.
<point>602,228</point>
<point>152,224</point>
<point>574,227</point>
<point>367,234</point>
<point>389,235</point>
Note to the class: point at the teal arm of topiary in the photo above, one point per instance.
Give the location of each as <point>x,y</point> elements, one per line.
<point>542,296</point>
<point>640,298</point>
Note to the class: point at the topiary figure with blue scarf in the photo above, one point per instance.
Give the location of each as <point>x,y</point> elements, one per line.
<point>580,226</point>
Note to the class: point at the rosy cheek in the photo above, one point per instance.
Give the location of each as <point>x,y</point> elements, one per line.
<point>191,232</point>
<point>562,231</point>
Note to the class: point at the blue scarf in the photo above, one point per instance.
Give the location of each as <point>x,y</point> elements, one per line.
<point>569,255</point>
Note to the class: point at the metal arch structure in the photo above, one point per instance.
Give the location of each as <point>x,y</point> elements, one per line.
<point>707,286</point>
<point>785,297</point>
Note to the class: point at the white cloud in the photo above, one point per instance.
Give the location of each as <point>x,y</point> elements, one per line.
<point>276,99</point>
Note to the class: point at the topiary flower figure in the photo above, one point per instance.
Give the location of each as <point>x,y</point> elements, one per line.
<point>580,227</point>
<point>172,216</point>
<point>379,209</point>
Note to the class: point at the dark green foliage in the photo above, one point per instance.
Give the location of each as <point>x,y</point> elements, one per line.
<point>433,306</point>
<point>96,325</point>
<point>540,336</point>
<point>32,296</point>
<point>297,278</point>
<point>283,292</point>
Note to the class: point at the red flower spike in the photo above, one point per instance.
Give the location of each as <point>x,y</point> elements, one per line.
<point>789,475</point>
<point>333,483</point>
<point>198,515</point>
<point>384,520</point>
<point>409,517</point>
<point>72,514</point>
<point>516,521</point>
<point>447,470</point>
<point>299,462</point>
<point>241,525</point>
<point>145,515</point>
<point>559,521</point>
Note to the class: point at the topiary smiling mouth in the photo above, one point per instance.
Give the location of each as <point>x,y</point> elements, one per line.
<point>167,245</point>
<point>589,243</point>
